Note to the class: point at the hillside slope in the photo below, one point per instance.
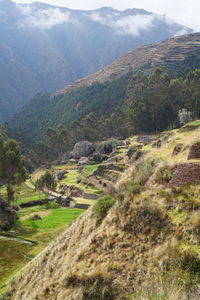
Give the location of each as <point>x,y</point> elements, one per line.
<point>103,91</point>
<point>45,47</point>
<point>147,245</point>
<point>176,54</point>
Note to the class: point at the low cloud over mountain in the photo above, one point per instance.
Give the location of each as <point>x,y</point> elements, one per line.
<point>44,47</point>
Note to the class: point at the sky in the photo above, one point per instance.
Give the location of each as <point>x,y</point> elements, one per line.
<point>185,12</point>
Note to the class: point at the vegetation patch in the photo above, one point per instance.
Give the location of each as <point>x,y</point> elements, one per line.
<point>102,207</point>
<point>57,218</point>
<point>95,287</point>
<point>90,168</point>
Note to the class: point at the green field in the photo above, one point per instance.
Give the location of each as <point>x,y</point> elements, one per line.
<point>14,251</point>
<point>15,254</point>
<point>57,218</point>
<point>89,169</point>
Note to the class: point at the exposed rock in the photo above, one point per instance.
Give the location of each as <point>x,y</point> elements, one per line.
<point>64,159</point>
<point>188,173</point>
<point>61,174</point>
<point>98,158</point>
<point>143,139</point>
<point>83,149</point>
<point>7,215</point>
<point>82,161</point>
<point>114,159</point>
<point>194,152</point>
<point>104,148</point>
<point>177,149</point>
<point>91,196</point>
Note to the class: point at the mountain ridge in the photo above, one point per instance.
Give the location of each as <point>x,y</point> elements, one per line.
<point>53,46</point>
<point>130,63</point>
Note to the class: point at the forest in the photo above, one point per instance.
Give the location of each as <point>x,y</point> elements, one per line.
<point>134,104</point>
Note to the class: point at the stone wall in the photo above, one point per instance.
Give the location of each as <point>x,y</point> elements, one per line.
<point>194,152</point>
<point>186,173</point>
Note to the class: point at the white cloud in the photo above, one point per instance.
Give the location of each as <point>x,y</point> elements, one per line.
<point>134,24</point>
<point>44,18</point>
<point>131,25</point>
<point>181,32</point>
<point>185,12</point>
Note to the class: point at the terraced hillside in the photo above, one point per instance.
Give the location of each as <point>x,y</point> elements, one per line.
<point>141,241</point>
<point>43,215</point>
<point>176,53</point>
<point>104,92</point>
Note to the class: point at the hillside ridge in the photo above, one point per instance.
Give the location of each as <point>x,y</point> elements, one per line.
<point>143,245</point>
<point>151,55</point>
<point>64,45</point>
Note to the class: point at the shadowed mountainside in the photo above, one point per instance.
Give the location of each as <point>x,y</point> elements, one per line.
<point>44,47</point>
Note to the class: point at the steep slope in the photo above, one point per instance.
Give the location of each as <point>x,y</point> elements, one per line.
<point>44,47</point>
<point>176,54</point>
<point>147,245</point>
<point>103,91</point>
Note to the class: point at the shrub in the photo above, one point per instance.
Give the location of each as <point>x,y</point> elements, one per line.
<point>164,174</point>
<point>188,266</point>
<point>145,170</point>
<point>102,207</point>
<point>53,205</point>
<point>96,287</point>
<point>190,263</point>
<point>135,188</point>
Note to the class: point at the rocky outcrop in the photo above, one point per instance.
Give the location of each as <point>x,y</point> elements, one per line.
<point>98,158</point>
<point>83,149</point>
<point>194,152</point>
<point>61,174</point>
<point>186,173</point>
<point>104,148</point>
<point>177,149</point>
<point>91,196</point>
<point>143,139</point>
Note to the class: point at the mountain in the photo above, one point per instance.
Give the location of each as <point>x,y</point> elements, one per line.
<point>43,47</point>
<point>104,91</point>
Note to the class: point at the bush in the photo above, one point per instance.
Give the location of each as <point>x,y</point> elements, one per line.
<point>96,287</point>
<point>135,188</point>
<point>53,205</point>
<point>145,170</point>
<point>102,207</point>
<point>164,174</point>
<point>190,263</point>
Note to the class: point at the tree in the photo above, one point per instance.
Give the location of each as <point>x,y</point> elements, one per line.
<point>46,181</point>
<point>12,170</point>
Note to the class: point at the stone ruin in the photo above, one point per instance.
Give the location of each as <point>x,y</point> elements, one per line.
<point>186,173</point>
<point>194,152</point>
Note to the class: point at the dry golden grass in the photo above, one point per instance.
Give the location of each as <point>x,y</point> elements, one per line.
<point>142,235</point>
